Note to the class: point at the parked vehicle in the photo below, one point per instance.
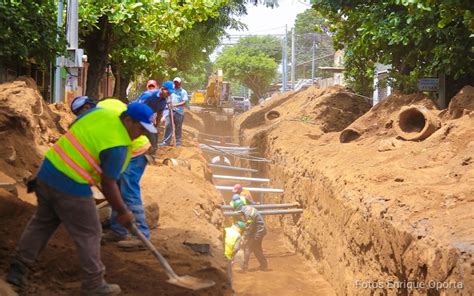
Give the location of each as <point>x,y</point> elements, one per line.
<point>240,104</point>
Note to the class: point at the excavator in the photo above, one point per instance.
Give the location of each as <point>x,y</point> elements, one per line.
<point>216,96</point>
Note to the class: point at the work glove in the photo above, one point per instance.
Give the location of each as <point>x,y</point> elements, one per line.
<point>126,219</point>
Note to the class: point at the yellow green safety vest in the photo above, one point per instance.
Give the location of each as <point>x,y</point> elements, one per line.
<point>76,154</point>
<point>141,144</point>
<point>242,198</point>
<point>231,235</point>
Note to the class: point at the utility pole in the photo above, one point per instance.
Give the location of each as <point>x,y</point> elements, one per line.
<point>73,60</point>
<point>285,61</point>
<point>293,62</point>
<point>57,71</point>
<point>313,61</point>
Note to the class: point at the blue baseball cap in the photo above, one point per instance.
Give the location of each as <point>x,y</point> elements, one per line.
<point>169,85</point>
<point>79,102</point>
<point>143,114</point>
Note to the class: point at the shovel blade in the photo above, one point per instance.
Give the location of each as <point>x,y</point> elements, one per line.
<point>190,282</point>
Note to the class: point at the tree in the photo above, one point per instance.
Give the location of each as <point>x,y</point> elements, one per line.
<point>130,31</point>
<point>28,32</point>
<point>252,62</point>
<point>417,37</point>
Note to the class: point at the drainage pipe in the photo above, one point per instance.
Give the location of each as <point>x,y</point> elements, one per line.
<point>416,123</point>
<point>251,189</point>
<point>267,212</point>
<point>223,177</point>
<point>232,168</point>
<point>266,206</point>
<point>219,142</point>
<point>245,148</point>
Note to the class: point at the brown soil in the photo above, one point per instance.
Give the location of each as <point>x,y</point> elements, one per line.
<point>378,208</point>
<point>289,274</point>
<point>186,199</point>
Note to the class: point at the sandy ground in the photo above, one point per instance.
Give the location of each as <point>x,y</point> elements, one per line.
<point>289,273</point>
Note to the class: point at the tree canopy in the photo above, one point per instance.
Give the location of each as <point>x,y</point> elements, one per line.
<point>253,62</point>
<point>130,32</point>
<point>416,37</point>
<point>28,31</point>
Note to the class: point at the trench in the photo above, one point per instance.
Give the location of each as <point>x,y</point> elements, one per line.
<point>290,273</point>
<point>348,236</point>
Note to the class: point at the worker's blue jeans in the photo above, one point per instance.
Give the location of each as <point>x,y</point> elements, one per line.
<point>178,125</point>
<point>130,189</point>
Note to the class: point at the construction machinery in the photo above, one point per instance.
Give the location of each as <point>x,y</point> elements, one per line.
<point>216,96</point>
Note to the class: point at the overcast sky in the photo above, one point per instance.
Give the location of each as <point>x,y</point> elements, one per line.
<point>262,20</point>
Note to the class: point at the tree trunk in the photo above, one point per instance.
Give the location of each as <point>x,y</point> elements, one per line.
<point>121,82</point>
<point>97,46</point>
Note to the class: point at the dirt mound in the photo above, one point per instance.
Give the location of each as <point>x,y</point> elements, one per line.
<point>461,103</point>
<point>27,126</point>
<point>66,117</point>
<point>189,216</point>
<point>331,109</point>
<point>378,209</point>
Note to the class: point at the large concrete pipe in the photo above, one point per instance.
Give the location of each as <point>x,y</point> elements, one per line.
<point>271,115</point>
<point>349,134</point>
<point>416,123</point>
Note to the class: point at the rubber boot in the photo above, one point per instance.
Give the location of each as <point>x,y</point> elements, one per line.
<point>17,274</point>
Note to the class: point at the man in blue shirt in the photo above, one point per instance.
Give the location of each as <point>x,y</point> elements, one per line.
<point>64,200</point>
<point>155,98</point>
<point>178,102</point>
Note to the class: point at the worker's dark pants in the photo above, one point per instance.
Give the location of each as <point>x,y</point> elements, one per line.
<point>79,217</point>
<point>178,127</point>
<point>254,245</point>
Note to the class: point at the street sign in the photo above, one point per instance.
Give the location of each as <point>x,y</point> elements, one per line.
<point>428,84</point>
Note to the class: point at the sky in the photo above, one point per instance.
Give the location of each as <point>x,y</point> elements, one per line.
<point>261,20</point>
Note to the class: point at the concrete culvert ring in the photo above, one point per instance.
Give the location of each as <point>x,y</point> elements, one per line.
<point>176,162</point>
<point>416,123</point>
<point>348,135</point>
<point>272,115</point>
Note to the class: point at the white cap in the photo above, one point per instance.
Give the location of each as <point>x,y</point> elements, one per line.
<point>177,79</point>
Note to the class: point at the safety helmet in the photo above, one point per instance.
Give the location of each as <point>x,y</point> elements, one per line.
<point>237,204</point>
<point>151,84</point>
<point>79,102</point>
<point>237,188</point>
<point>240,224</point>
<point>236,196</point>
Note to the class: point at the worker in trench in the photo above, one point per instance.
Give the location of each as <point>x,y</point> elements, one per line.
<point>252,237</point>
<point>95,151</point>
<point>232,244</point>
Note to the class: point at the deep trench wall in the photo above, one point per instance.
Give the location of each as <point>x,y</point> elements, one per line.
<point>351,234</point>
<point>375,215</point>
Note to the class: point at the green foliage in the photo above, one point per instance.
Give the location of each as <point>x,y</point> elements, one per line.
<point>28,31</point>
<point>417,37</point>
<point>253,62</point>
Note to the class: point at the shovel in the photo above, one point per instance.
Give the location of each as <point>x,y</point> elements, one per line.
<point>173,128</point>
<point>186,281</point>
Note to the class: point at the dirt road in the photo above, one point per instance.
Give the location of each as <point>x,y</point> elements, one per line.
<point>289,273</point>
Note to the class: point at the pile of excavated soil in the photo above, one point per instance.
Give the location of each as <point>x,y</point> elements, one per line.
<point>189,217</point>
<point>27,126</point>
<point>189,231</point>
<point>379,209</point>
